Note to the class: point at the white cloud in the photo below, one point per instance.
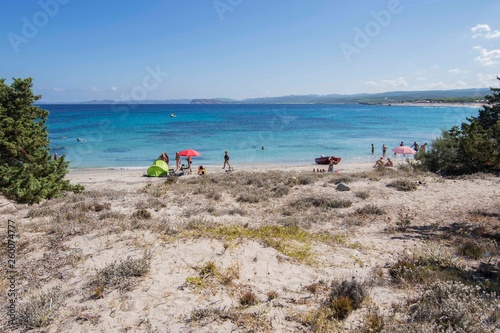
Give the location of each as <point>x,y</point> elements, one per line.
<point>481,27</point>
<point>484,30</point>
<point>399,82</point>
<point>372,83</point>
<point>58,89</point>
<point>94,89</point>
<point>488,58</point>
<point>457,71</point>
<point>421,79</point>
<point>114,88</point>
<point>487,80</point>
<point>435,67</point>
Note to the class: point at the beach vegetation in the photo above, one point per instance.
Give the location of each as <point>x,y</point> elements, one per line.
<point>404,218</point>
<point>40,310</point>
<point>373,321</point>
<point>273,294</point>
<point>370,210</point>
<point>290,240</point>
<point>472,248</point>
<point>248,298</point>
<point>28,172</point>
<point>362,194</point>
<point>123,275</point>
<point>472,147</point>
<point>455,307</point>
<point>405,185</point>
<point>209,274</point>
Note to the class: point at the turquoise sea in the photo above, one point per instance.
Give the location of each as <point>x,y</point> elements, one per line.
<point>127,136</point>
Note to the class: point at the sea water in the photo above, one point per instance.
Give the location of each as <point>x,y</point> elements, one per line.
<point>127,136</point>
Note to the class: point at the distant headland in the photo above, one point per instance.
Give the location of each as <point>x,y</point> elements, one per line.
<point>457,96</point>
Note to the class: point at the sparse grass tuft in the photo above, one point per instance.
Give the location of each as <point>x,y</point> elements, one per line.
<point>472,249</point>
<point>40,311</point>
<point>142,214</point>
<point>122,275</point>
<point>273,294</point>
<point>362,194</point>
<point>455,307</point>
<point>248,299</point>
<point>403,185</point>
<point>319,202</point>
<point>370,210</point>
<point>373,321</point>
<point>345,297</point>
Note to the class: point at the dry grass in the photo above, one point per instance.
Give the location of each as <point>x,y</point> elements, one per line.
<point>299,219</point>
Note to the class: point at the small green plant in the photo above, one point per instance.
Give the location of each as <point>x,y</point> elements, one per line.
<point>404,219</point>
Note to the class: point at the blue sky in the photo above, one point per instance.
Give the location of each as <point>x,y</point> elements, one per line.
<point>164,49</point>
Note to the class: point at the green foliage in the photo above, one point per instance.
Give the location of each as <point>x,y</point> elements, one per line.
<point>472,147</point>
<point>28,174</point>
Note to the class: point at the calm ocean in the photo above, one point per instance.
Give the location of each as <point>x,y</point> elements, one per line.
<point>135,135</point>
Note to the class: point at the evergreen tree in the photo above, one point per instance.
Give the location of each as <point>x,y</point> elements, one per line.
<point>472,147</point>
<point>28,173</point>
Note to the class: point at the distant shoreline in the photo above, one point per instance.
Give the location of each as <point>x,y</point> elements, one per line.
<point>435,104</point>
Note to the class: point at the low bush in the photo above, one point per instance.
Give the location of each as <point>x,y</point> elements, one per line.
<point>345,297</point>
<point>40,311</point>
<point>370,210</point>
<point>403,185</point>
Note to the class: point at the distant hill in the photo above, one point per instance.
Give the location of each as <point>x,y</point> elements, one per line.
<point>457,95</point>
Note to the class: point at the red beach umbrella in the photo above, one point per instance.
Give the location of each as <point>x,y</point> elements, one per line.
<point>404,150</point>
<point>189,152</point>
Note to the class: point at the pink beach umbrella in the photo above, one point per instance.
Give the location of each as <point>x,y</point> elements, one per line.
<point>189,152</point>
<point>404,150</point>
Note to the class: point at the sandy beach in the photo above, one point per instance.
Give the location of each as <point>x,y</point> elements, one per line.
<point>258,249</point>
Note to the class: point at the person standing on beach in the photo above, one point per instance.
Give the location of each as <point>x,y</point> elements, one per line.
<point>384,150</point>
<point>177,161</point>
<point>330,165</point>
<point>189,161</point>
<point>424,147</point>
<point>414,145</point>
<point>226,160</point>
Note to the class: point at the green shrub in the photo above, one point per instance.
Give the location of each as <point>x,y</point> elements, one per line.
<point>472,147</point>
<point>28,173</point>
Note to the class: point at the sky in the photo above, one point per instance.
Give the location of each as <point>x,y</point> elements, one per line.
<point>171,49</point>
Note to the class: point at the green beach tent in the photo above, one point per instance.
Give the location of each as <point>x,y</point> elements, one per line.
<point>158,169</point>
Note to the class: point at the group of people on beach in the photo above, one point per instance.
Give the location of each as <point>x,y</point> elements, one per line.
<point>164,157</point>
<point>381,163</point>
<point>415,146</point>
<point>189,159</point>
